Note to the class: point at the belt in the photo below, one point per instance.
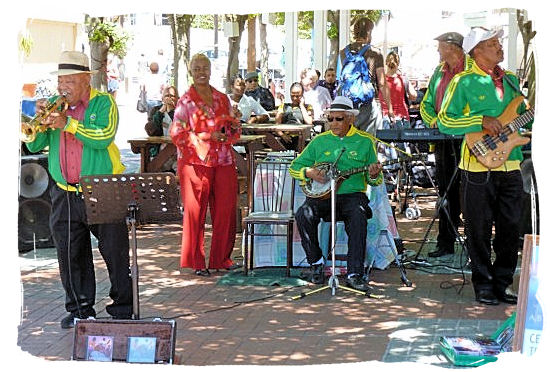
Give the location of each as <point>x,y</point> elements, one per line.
<point>74,187</point>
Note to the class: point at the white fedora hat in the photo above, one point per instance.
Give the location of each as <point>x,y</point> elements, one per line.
<point>72,62</point>
<point>342,103</point>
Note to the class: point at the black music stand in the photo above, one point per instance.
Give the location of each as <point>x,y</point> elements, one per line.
<point>134,198</point>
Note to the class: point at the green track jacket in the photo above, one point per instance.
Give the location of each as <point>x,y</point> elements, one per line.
<point>427,106</point>
<point>97,132</point>
<point>326,147</point>
<point>470,96</point>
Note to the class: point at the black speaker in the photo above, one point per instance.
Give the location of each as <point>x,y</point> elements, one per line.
<point>34,203</point>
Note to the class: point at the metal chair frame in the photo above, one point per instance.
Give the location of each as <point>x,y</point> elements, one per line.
<point>270,211</point>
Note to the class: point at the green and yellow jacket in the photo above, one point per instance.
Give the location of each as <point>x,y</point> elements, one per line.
<point>326,147</point>
<point>97,132</point>
<point>427,106</point>
<point>470,96</point>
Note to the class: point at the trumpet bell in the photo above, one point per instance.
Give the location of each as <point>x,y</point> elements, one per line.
<point>28,132</point>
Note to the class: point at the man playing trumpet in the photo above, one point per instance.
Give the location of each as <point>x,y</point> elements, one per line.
<point>80,140</point>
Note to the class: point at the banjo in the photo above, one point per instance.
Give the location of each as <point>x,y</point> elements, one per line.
<point>317,190</point>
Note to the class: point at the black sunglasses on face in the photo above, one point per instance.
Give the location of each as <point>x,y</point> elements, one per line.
<point>333,118</point>
<point>249,81</point>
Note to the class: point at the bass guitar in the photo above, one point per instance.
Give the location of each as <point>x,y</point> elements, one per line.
<point>493,151</point>
<point>318,190</point>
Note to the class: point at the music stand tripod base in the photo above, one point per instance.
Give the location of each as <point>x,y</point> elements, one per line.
<point>135,199</point>
<point>404,279</point>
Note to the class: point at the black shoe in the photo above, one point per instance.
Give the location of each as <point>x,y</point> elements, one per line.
<point>358,282</point>
<point>317,274</point>
<point>486,297</point>
<point>507,296</point>
<point>203,272</point>
<point>68,321</point>
<point>441,251</point>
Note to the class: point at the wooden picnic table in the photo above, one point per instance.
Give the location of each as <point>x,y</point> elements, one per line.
<point>143,145</point>
<point>302,130</point>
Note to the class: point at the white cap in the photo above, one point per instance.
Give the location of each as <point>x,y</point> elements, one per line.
<point>477,35</point>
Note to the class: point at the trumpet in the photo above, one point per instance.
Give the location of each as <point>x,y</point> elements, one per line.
<point>30,128</point>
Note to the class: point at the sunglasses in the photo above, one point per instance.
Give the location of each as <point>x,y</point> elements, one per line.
<point>250,81</point>
<point>333,118</point>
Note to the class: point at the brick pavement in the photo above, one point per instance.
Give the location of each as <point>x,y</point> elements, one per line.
<point>257,325</point>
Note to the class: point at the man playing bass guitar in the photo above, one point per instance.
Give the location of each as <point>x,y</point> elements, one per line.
<point>475,104</point>
<point>352,148</point>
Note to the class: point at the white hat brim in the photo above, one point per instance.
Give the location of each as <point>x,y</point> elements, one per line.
<point>72,72</point>
<point>351,111</point>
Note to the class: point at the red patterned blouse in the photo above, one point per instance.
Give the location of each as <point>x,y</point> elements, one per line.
<point>194,123</point>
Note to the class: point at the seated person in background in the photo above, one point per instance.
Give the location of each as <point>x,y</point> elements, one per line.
<point>259,93</point>
<point>295,112</point>
<point>160,120</point>
<point>330,82</point>
<point>245,107</point>
<point>315,95</point>
<point>352,204</point>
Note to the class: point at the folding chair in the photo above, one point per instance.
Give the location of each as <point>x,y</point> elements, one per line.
<point>270,203</point>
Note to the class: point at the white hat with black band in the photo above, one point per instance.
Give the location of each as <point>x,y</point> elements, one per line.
<point>342,103</point>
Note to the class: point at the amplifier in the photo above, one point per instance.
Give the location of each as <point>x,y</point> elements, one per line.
<point>34,203</point>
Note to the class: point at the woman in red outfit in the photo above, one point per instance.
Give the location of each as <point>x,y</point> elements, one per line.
<point>399,87</point>
<point>203,132</point>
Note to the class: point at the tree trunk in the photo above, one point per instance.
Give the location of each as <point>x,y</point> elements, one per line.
<point>264,67</point>
<point>333,54</point>
<point>181,32</point>
<point>251,55</point>
<point>234,47</point>
<point>334,18</point>
<point>176,49</point>
<point>98,61</point>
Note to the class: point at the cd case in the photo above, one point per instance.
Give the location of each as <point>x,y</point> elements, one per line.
<point>141,349</point>
<point>99,348</point>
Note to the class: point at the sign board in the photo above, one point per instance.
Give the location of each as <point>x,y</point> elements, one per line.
<point>529,320</point>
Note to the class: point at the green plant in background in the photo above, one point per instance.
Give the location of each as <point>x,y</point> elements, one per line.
<point>111,34</point>
<point>26,43</point>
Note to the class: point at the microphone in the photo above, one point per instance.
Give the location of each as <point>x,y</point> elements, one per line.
<point>333,172</point>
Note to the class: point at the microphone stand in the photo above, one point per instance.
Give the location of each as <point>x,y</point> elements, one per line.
<point>333,284</point>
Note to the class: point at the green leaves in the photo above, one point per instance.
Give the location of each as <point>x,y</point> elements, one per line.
<point>111,34</point>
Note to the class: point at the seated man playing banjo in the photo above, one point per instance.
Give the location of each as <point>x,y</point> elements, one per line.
<point>357,166</point>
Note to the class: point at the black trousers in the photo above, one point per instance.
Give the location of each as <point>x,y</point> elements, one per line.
<point>353,209</point>
<point>71,234</point>
<point>447,156</point>
<point>492,198</point>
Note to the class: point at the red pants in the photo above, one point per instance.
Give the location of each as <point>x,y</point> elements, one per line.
<point>202,187</point>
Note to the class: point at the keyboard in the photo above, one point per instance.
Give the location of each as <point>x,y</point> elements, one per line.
<point>414,135</point>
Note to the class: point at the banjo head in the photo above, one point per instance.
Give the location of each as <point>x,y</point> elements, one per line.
<point>315,189</point>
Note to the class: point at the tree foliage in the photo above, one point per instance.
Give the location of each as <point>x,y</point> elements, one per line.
<point>111,34</point>
<point>306,18</point>
<point>204,21</point>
